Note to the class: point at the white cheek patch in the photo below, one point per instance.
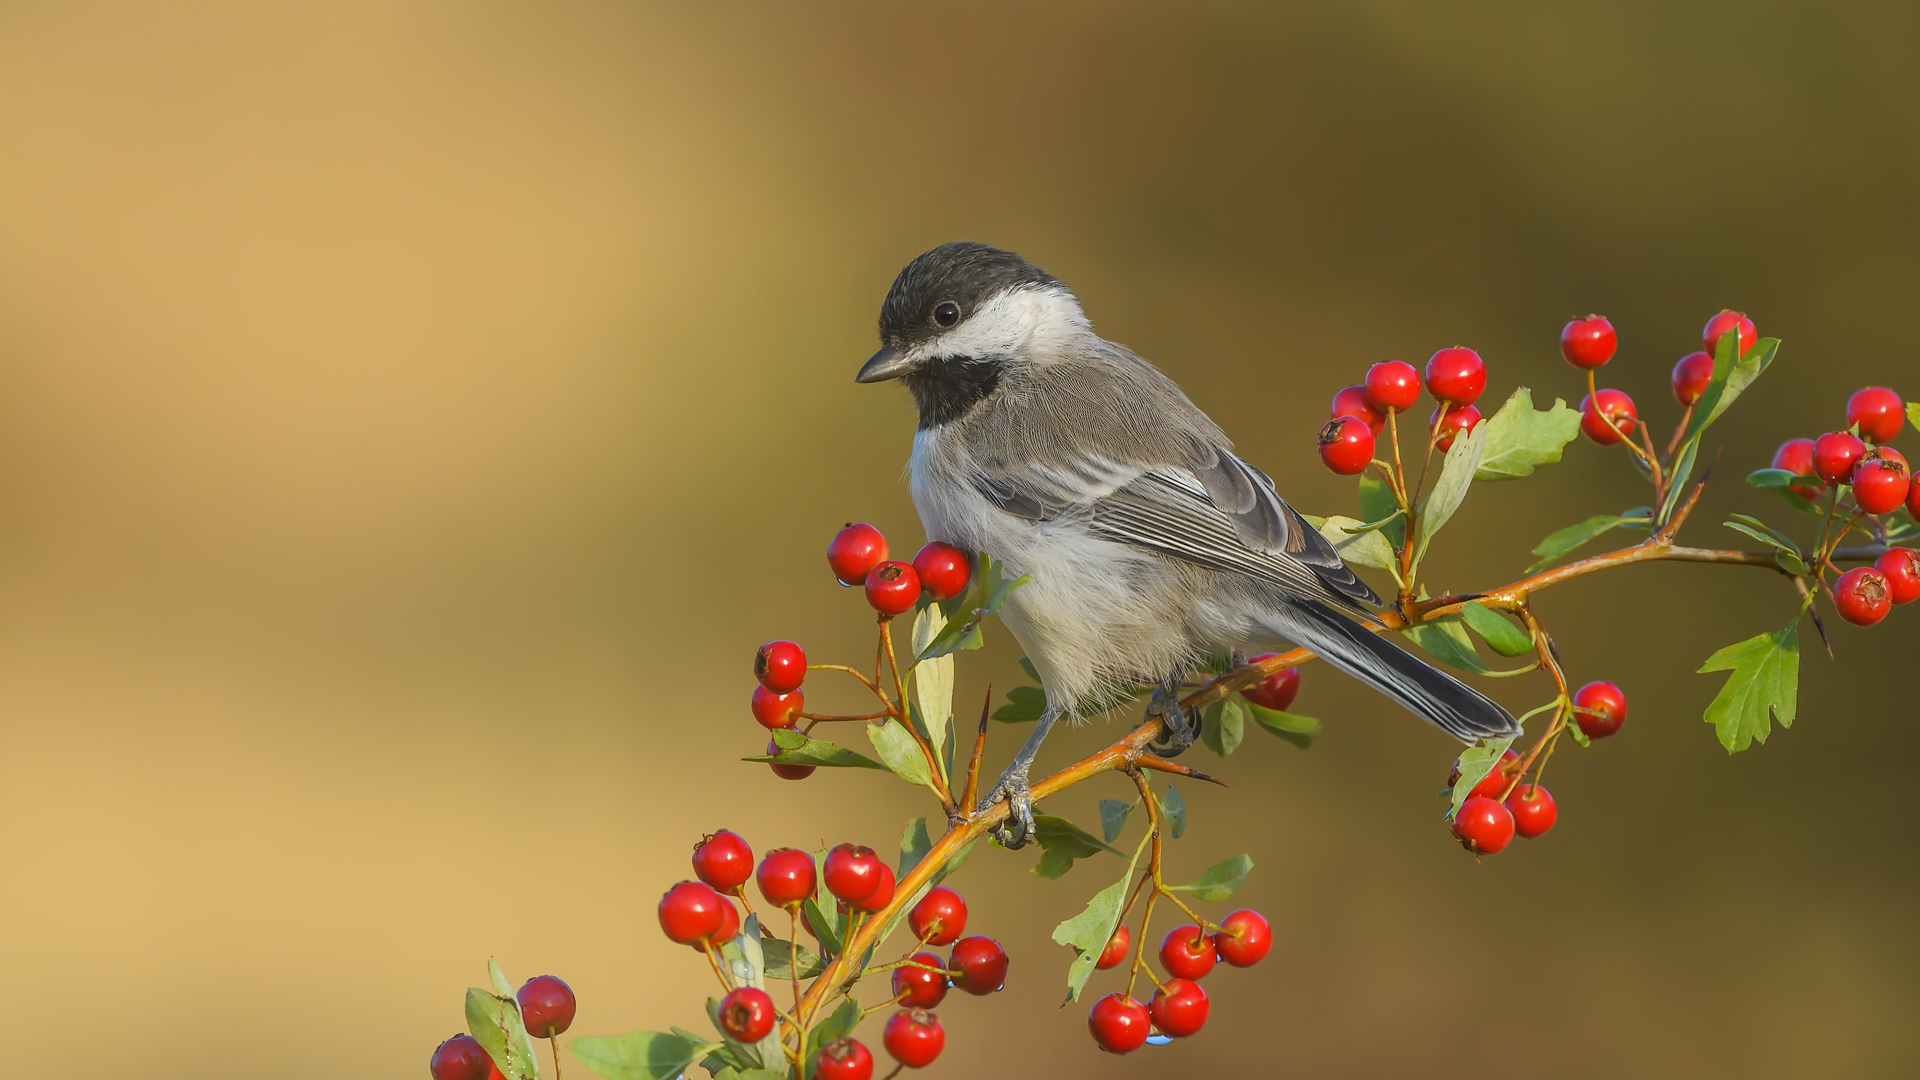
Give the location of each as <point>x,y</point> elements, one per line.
<point>1023,320</point>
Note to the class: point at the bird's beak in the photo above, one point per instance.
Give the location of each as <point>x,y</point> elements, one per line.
<point>888,363</point>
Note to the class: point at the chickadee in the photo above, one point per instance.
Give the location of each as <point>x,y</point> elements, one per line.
<point>1150,545</point>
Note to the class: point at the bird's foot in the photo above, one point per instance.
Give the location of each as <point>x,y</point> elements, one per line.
<point>1181,725</point>
<point>1014,832</point>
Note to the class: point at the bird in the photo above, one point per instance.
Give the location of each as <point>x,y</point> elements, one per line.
<point>1149,544</point>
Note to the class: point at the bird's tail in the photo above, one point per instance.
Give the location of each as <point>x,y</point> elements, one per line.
<point>1431,694</point>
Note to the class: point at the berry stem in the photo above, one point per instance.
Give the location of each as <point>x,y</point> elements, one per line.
<point>1626,438</point>
<point>864,681</point>
<point>719,972</point>
<point>1686,418</point>
<point>934,762</point>
<point>979,751</point>
<point>553,1041</point>
<point>1399,472</point>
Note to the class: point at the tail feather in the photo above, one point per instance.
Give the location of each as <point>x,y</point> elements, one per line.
<point>1431,694</point>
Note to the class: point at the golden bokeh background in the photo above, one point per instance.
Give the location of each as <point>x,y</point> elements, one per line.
<point>413,414</point>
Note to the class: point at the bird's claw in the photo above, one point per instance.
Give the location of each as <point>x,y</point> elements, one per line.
<point>1180,724</point>
<point>1014,832</point>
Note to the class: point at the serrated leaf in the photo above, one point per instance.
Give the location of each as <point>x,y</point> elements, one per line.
<point>797,748</point>
<point>1173,811</point>
<point>1223,725</point>
<point>932,681</point>
<point>1061,843</point>
<point>1089,931</point>
<point>1565,541</point>
<point>1500,635</point>
<point>1113,818</point>
<point>1025,704</point>
<point>1446,640</point>
<point>1362,548</point>
<point>494,1021</point>
<point>838,1025</point>
<point>778,968</point>
<point>1456,477</point>
<point>639,1055</point>
<point>914,845</point>
<point>1764,686</point>
<point>825,930</point>
<point>1296,729</point>
<point>1220,881</point>
<point>1520,438</point>
<point>1475,763</point>
<point>985,598</point>
<point>896,746</point>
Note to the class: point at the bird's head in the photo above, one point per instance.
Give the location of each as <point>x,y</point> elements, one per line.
<point>959,317</point>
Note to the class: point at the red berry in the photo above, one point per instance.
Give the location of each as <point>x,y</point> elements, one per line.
<point>943,569</point>
<point>1607,405</point>
<point>1834,456</point>
<point>1913,501</point>
<point>1483,826</point>
<point>1346,445</point>
<point>1881,480</point>
<point>892,587</point>
<point>1118,1023</point>
<point>1188,952</point>
<point>547,1004</point>
<point>1392,386</point>
<point>1863,596</point>
<point>1533,811</point>
<point>979,965</point>
<point>1604,699</point>
<point>787,772</point>
<point>780,666</point>
<point>1117,948</point>
<point>1589,342</point>
<point>1878,411</point>
<point>844,1059</point>
<point>855,550</point>
<point>940,917</point>
<point>1725,321</point>
<point>851,873</point>
<point>1456,375</point>
<point>1495,783</point>
<point>460,1058</point>
<point>1456,422</point>
<point>1244,938</point>
<point>690,911</point>
<point>723,860</point>
<point>1276,691</point>
<point>923,988</point>
<point>775,711</point>
<point>882,895</point>
<point>1901,568</point>
<point>914,1038</point>
<point>1691,376</point>
<point>785,877</point>
<point>1796,457</point>
<point>729,925</point>
<point>1180,1009</point>
<point>1352,401</point>
<point>747,1014</point>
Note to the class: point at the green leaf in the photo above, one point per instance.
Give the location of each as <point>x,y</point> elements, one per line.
<point>1113,818</point>
<point>1456,476</point>
<point>1173,811</point>
<point>1220,881</point>
<point>1062,842</point>
<point>494,1021</point>
<point>1088,931</point>
<point>1025,704</point>
<point>778,967</point>
<point>1732,374</point>
<point>1447,641</point>
<point>989,593</point>
<point>914,845</point>
<point>1298,730</point>
<point>1519,438</point>
<point>1781,482</point>
<point>797,748</point>
<point>1223,725</point>
<point>745,956</point>
<point>932,681</point>
<point>1500,635</point>
<point>895,745</point>
<point>640,1055</point>
<point>1375,526</point>
<point>1913,414</point>
<point>502,985</point>
<point>1360,548</point>
<point>1764,687</point>
<point>1475,763</point>
<point>1561,543</point>
<point>749,1074</point>
<point>825,930</point>
<point>838,1025</point>
<point>1377,504</point>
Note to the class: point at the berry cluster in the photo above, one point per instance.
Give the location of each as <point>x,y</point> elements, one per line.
<point>1500,806</point>
<point>1456,378</point>
<point>546,1006</point>
<point>1178,1007</point>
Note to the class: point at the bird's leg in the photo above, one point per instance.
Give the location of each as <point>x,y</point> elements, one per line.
<point>1181,724</point>
<point>1014,832</point>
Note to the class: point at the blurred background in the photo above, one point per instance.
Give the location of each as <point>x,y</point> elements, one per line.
<point>412,416</point>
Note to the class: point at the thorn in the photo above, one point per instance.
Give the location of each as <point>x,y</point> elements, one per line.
<point>1160,764</point>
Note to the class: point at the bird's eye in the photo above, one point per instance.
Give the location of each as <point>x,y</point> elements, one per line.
<point>946,313</point>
